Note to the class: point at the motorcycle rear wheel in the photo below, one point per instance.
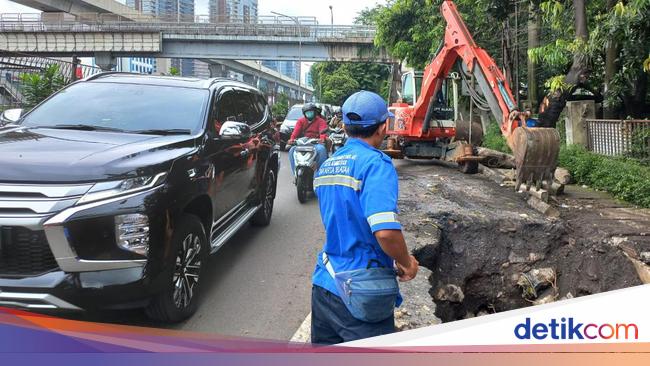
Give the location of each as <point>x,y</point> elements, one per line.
<point>301,188</point>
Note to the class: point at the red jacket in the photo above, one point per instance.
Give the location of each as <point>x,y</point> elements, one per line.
<point>312,130</point>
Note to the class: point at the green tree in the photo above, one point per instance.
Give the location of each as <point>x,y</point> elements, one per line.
<point>413,30</point>
<point>600,46</point>
<point>39,86</point>
<point>338,86</point>
<point>281,106</point>
<point>365,75</point>
<point>174,71</point>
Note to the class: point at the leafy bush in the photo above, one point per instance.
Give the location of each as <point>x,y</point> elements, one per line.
<point>624,178</point>
<point>281,106</point>
<point>38,87</point>
<point>640,146</point>
<point>493,139</point>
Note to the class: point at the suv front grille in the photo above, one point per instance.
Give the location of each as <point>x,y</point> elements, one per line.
<point>24,252</point>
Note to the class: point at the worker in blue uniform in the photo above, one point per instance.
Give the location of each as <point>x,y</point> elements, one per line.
<point>357,190</point>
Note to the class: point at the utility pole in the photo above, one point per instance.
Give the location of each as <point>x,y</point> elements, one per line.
<point>297,21</point>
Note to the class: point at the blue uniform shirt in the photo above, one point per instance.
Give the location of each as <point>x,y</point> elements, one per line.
<point>357,193</point>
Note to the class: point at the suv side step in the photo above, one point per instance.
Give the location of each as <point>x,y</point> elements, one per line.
<point>232,229</point>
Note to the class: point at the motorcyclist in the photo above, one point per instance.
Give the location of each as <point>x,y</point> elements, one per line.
<point>311,125</point>
<point>337,120</point>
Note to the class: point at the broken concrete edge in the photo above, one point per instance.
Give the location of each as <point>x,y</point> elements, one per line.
<point>493,174</point>
<point>543,207</point>
<point>642,269</point>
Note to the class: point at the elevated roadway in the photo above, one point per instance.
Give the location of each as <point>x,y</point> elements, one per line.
<point>239,41</point>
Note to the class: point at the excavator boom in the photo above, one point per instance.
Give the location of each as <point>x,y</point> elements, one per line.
<point>535,149</point>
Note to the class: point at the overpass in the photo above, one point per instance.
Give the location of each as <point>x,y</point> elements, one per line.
<point>84,6</point>
<point>265,39</point>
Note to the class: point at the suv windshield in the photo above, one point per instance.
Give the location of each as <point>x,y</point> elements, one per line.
<point>122,107</point>
<point>294,113</point>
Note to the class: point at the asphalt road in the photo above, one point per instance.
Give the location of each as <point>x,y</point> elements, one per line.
<point>259,283</point>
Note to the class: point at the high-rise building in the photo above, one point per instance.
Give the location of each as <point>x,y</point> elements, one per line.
<point>169,10</point>
<point>286,68</point>
<point>230,11</point>
<point>149,7</point>
<point>176,10</point>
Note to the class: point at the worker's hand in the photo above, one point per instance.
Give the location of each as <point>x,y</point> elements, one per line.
<point>408,273</point>
<point>291,142</point>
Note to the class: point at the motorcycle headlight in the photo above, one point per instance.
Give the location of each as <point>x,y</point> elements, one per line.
<point>104,190</point>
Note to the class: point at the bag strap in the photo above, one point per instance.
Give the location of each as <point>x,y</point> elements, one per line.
<point>306,127</point>
<point>328,265</point>
<point>330,269</point>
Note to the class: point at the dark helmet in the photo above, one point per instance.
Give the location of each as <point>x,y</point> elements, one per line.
<point>311,107</point>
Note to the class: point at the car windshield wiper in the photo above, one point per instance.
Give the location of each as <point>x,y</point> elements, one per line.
<point>83,128</point>
<point>177,131</point>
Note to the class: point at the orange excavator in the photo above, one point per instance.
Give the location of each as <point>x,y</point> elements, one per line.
<point>428,124</point>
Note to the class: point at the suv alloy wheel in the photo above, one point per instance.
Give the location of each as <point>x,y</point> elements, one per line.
<point>179,301</point>
<point>263,215</point>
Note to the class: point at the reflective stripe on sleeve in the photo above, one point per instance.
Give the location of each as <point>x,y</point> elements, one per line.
<point>382,218</point>
<point>338,180</point>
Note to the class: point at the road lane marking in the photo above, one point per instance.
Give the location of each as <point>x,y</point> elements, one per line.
<point>303,333</point>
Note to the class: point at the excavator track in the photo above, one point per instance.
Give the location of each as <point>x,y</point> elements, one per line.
<point>536,152</point>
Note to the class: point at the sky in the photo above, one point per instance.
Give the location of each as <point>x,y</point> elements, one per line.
<point>344,10</point>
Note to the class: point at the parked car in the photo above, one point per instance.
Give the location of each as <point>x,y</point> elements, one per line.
<point>115,191</point>
<point>288,125</point>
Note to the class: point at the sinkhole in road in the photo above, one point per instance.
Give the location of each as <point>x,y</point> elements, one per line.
<point>477,264</point>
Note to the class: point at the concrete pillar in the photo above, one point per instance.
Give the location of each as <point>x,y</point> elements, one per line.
<point>576,128</point>
<point>105,60</point>
<point>217,71</point>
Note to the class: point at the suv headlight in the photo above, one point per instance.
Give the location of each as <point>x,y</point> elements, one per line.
<point>104,190</point>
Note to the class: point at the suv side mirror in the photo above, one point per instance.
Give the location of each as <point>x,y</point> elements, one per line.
<point>10,116</point>
<point>232,130</point>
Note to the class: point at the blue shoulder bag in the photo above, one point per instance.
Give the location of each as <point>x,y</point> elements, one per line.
<point>369,293</point>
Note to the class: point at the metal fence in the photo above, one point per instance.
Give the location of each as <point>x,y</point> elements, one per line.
<point>14,65</point>
<point>630,138</point>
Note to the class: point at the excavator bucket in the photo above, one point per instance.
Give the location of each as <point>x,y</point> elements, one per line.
<point>536,151</point>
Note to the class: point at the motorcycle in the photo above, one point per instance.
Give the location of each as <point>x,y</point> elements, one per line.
<point>337,138</point>
<point>304,156</point>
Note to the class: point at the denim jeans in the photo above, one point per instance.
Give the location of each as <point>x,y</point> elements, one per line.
<point>331,321</point>
<point>321,156</point>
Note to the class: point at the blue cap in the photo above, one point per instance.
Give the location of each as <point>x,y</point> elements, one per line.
<point>370,107</point>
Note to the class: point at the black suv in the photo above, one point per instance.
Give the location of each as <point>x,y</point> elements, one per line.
<point>115,190</point>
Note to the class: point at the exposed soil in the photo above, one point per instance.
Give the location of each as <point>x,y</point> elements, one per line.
<point>477,238</point>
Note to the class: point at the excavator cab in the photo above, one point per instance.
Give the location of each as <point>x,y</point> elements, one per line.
<point>411,86</point>
<point>445,110</point>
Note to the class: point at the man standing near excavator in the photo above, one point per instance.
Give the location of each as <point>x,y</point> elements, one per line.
<point>355,288</point>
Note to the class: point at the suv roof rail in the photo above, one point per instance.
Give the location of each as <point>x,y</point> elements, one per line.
<point>106,73</point>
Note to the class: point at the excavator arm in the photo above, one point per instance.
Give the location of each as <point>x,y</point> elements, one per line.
<point>535,149</point>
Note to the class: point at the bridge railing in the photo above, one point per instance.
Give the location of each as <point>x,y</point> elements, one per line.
<point>308,27</point>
